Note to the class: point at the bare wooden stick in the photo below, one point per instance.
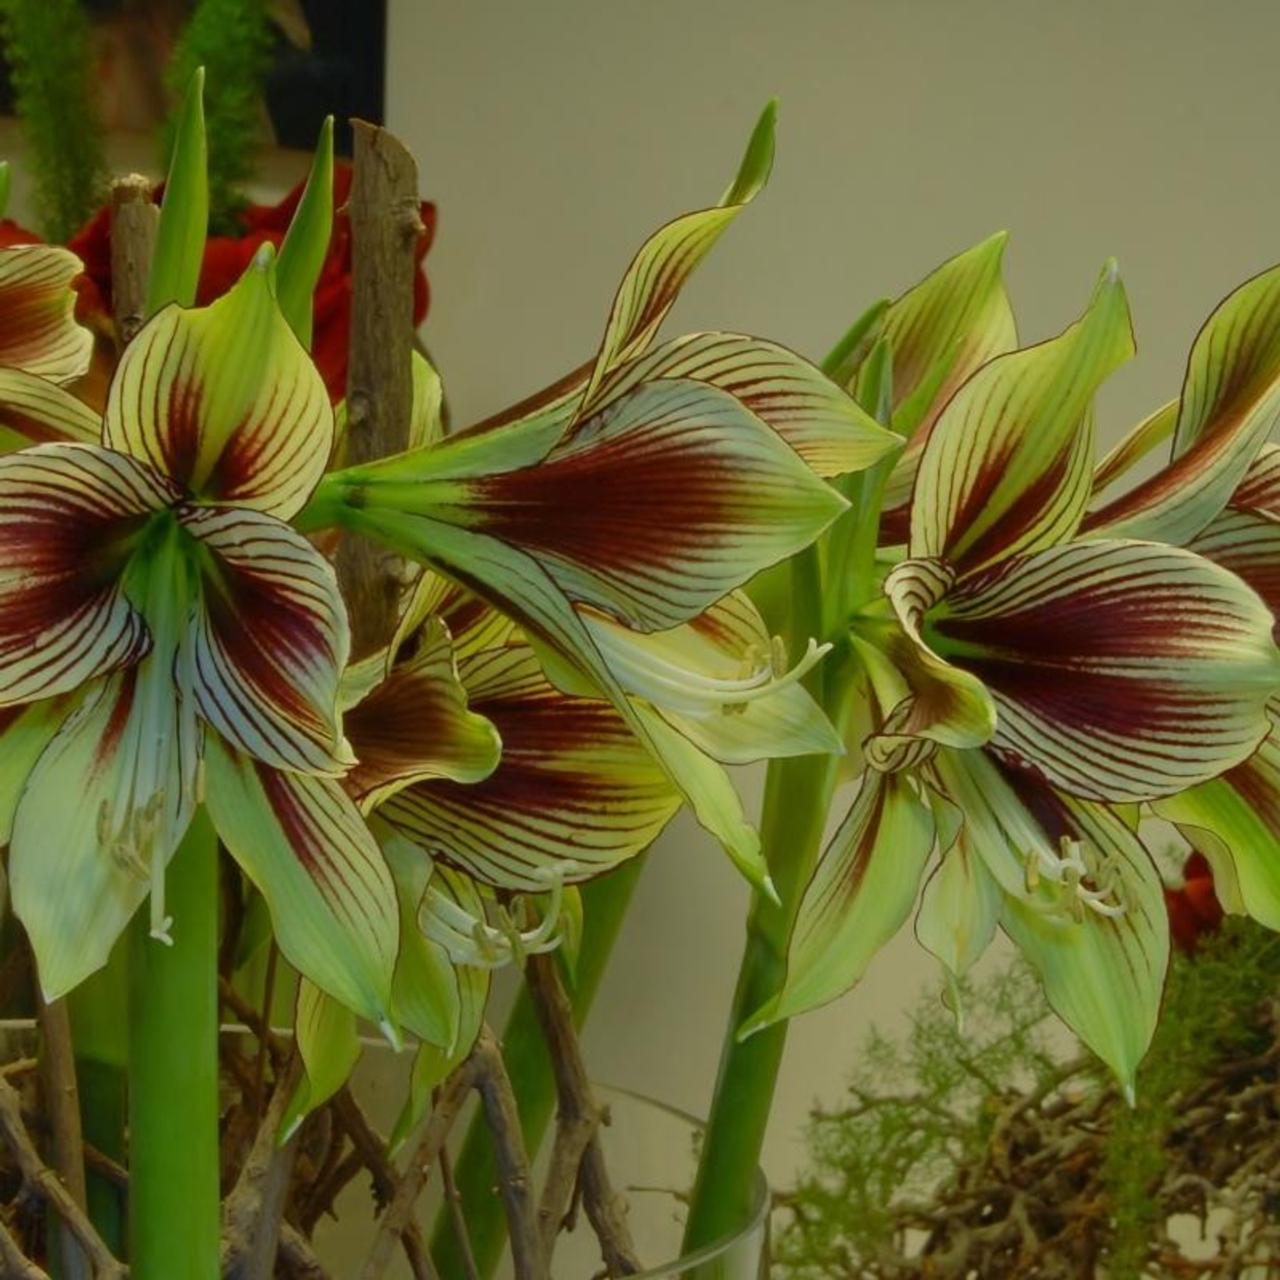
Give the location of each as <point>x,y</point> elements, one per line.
<point>578,1119</point>
<point>41,1181</point>
<point>372,1150</point>
<point>457,1218</point>
<point>252,1213</point>
<point>449,1100</point>
<point>385,226</point>
<point>62,1110</point>
<point>134,217</point>
<point>14,1264</point>
<point>514,1182</point>
<point>298,1257</point>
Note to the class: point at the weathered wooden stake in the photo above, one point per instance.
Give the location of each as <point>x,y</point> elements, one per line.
<point>385,226</point>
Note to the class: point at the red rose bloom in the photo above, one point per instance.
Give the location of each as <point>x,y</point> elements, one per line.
<point>227,257</point>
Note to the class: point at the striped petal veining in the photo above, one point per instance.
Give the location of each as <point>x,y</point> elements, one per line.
<point>1121,670</point>
<point>268,644</point>
<point>573,785</point>
<point>224,401</point>
<point>38,330</point>
<point>67,514</point>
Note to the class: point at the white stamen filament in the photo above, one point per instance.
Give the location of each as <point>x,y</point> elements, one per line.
<point>472,940</point>
<point>1071,870</point>
<point>680,688</point>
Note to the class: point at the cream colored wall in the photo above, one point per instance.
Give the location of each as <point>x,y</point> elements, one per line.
<point>556,135</point>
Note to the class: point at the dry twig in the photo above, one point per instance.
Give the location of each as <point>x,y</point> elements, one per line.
<point>41,1181</point>
<point>577,1156</point>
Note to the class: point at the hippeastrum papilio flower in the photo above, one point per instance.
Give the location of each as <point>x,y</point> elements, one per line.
<point>1219,493</point>
<point>640,490</point>
<point>164,632</point>
<point>1029,672</point>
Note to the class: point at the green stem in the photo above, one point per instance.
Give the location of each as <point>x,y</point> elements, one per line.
<point>798,794</point>
<point>605,903</point>
<point>99,1009</point>
<point>173,1075</point>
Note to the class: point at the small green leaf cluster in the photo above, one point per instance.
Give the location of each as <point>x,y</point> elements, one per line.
<point>921,1109</point>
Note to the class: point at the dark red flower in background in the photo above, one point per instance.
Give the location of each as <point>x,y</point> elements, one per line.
<point>226,257</point>
<point>1194,910</point>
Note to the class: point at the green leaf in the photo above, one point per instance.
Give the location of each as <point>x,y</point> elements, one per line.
<point>4,187</point>
<point>329,1044</point>
<point>306,243</point>
<point>184,214</point>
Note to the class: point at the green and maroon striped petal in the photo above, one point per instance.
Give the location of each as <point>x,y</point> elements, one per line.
<point>100,817</point>
<point>859,896</point>
<point>573,786</point>
<point>942,703</point>
<point>513,581</point>
<point>68,513</point>
<point>415,727</point>
<point>1081,899</point>
<point>267,646</point>
<point>667,259</point>
<point>1260,488</point>
<point>1009,464</point>
<point>826,427</point>
<point>661,503</point>
<point>34,410</point>
<point>38,330</point>
<point>473,625</point>
<point>1248,543</point>
<point>939,333</point>
<point>1234,821</point>
<point>225,401</point>
<point>1230,401</point>
<point>1154,429</point>
<point>303,843</point>
<point>959,908</point>
<point>1120,670</point>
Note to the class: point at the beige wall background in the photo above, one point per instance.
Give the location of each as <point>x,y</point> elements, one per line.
<point>555,136</point>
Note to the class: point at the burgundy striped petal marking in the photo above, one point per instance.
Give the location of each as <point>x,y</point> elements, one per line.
<point>659,505</point>
<point>225,401</point>
<point>67,512</point>
<point>266,649</point>
<point>1121,670</point>
<point>38,331</point>
<point>573,784</point>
